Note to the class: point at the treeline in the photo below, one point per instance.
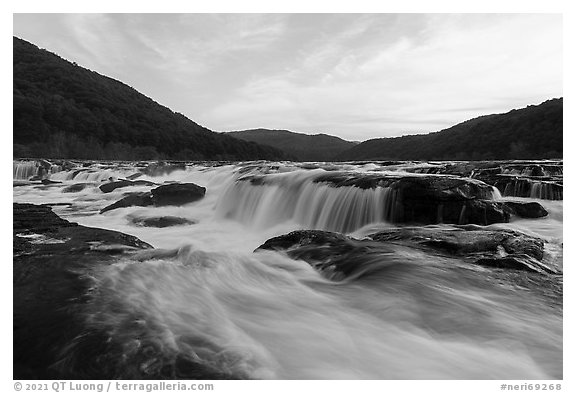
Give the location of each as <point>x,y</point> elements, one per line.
<point>302,147</point>
<point>530,133</point>
<point>62,145</point>
<point>66,111</point>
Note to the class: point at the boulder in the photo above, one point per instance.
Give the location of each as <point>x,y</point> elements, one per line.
<point>109,187</point>
<point>133,199</point>
<point>177,194</point>
<point>166,195</point>
<point>526,209</point>
<point>337,256</point>
<point>340,256</point>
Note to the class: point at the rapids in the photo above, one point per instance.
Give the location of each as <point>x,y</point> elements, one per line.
<point>206,294</point>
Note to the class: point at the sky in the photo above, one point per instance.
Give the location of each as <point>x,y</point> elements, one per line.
<point>356,76</point>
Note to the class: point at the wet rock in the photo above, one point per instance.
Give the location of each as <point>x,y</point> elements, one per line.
<point>466,240</point>
<point>133,199</point>
<point>523,187</point>
<point>167,195</point>
<point>430,199</point>
<point>109,187</point>
<point>52,265</point>
<point>177,194</point>
<point>335,255</point>
<point>161,222</point>
<point>526,209</point>
<point>77,187</point>
<point>66,165</point>
<point>342,256</point>
<point>527,179</point>
<point>134,176</point>
<point>47,182</point>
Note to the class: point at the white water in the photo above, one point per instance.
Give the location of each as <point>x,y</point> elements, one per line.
<point>295,196</point>
<point>23,170</point>
<point>263,315</point>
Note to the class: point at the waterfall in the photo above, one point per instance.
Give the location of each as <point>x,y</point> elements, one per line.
<point>524,188</point>
<point>24,170</point>
<point>295,196</point>
<point>544,190</point>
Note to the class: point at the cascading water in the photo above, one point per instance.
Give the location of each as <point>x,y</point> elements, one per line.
<point>24,170</point>
<point>533,189</point>
<point>295,196</point>
<point>543,190</point>
<point>206,296</point>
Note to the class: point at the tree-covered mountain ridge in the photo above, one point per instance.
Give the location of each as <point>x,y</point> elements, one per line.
<point>303,147</point>
<point>534,132</point>
<point>62,110</point>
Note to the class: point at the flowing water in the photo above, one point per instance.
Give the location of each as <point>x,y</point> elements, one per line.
<point>206,294</point>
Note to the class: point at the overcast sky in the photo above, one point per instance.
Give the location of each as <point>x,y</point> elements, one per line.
<point>351,75</point>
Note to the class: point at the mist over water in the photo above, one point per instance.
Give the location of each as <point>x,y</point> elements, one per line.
<point>205,295</point>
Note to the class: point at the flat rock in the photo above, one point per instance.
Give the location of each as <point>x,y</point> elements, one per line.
<point>53,259</point>
<point>47,182</point>
<point>57,298</point>
<point>76,187</point>
<point>342,255</point>
<point>161,222</point>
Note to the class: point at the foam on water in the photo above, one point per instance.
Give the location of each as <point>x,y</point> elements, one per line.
<point>264,315</point>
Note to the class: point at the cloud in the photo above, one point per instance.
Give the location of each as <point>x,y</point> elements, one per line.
<point>353,75</point>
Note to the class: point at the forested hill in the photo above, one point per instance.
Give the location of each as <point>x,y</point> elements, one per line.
<point>62,110</point>
<point>530,133</point>
<point>303,147</point>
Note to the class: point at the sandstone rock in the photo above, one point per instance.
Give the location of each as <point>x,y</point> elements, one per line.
<point>430,199</point>
<point>52,263</point>
<point>76,187</point>
<point>161,222</point>
<point>134,199</point>
<point>177,194</point>
<point>526,209</point>
<point>340,256</point>
<point>57,301</point>
<point>109,187</point>
<point>167,195</point>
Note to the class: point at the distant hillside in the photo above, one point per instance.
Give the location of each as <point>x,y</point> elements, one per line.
<point>302,147</point>
<point>529,133</point>
<point>62,110</point>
